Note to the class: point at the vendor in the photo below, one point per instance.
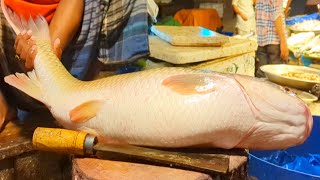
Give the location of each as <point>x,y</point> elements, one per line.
<point>18,52</point>
<point>84,34</point>
<point>272,41</point>
<point>246,22</point>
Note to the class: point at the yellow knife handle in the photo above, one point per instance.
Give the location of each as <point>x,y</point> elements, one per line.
<point>63,141</point>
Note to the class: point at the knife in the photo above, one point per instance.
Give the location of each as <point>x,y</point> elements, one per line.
<point>81,143</point>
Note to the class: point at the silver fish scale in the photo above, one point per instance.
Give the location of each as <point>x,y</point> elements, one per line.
<point>51,71</point>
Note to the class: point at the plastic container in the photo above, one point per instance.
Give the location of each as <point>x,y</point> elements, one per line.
<point>227,33</point>
<point>297,19</point>
<point>264,170</point>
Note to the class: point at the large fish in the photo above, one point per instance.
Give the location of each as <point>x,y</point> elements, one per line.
<point>164,107</point>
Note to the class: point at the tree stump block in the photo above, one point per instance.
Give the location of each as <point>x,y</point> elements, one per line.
<point>89,169</point>
<point>18,160</point>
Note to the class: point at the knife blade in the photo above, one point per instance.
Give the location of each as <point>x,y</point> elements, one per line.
<point>82,143</point>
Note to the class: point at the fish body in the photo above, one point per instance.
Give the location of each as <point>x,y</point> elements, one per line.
<point>165,107</point>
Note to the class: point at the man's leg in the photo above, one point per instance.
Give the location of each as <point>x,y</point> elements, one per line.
<point>261,59</point>
<point>274,54</point>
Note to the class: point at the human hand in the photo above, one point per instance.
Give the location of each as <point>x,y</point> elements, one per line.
<point>244,17</point>
<point>26,48</point>
<point>284,52</point>
<point>57,48</point>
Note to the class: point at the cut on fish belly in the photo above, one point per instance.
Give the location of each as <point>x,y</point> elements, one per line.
<point>164,107</point>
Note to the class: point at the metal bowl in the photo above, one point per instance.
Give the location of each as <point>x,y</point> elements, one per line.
<point>305,96</point>
<point>273,73</point>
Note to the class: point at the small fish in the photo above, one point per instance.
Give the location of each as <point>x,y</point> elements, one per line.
<point>164,107</point>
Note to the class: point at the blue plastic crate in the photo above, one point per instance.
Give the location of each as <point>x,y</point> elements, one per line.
<point>264,170</point>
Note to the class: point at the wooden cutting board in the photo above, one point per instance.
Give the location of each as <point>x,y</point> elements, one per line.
<point>189,36</point>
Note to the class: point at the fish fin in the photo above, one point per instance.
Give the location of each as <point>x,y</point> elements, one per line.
<point>188,84</point>
<point>38,26</point>
<point>85,111</point>
<point>30,86</point>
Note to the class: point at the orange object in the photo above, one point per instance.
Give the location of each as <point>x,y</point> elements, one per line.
<point>207,18</point>
<point>27,8</point>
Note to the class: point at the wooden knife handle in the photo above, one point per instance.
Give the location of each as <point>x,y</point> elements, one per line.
<point>63,141</point>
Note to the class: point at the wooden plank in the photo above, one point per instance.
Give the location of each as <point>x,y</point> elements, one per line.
<point>104,169</point>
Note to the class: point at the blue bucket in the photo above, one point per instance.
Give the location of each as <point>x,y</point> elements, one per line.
<point>264,170</point>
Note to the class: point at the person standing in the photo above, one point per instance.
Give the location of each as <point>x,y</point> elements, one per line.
<point>244,10</point>
<point>272,41</point>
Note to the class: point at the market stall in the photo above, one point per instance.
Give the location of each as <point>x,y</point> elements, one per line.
<point>191,121</point>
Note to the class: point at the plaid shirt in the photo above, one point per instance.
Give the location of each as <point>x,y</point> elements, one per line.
<point>112,31</point>
<point>267,11</point>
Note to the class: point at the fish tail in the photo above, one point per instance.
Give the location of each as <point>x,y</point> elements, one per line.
<point>38,26</point>
<point>28,84</point>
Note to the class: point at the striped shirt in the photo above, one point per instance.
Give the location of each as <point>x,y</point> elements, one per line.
<point>267,11</point>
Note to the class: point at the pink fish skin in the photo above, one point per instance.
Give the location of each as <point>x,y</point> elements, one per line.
<point>165,107</point>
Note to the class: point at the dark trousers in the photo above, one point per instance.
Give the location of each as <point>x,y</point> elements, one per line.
<point>269,54</point>
<point>298,7</point>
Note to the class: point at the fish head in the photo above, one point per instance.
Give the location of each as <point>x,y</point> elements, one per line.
<point>283,118</point>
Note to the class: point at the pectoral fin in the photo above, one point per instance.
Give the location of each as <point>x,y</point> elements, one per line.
<point>85,111</point>
<point>188,84</point>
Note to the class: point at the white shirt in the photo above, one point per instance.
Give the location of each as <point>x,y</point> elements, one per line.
<point>246,7</point>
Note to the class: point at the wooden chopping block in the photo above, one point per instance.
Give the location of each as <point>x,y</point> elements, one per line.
<point>19,161</point>
<point>87,169</point>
